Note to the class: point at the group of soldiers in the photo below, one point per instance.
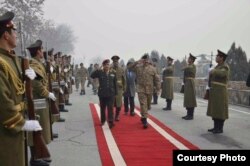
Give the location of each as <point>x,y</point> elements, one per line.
<point>34,91</point>
<point>40,89</point>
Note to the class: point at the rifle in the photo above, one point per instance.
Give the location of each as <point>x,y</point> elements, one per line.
<point>52,104</point>
<point>40,148</point>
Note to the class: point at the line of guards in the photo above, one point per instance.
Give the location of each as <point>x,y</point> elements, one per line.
<point>52,83</point>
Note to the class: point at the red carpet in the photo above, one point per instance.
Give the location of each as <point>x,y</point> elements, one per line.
<point>138,146</point>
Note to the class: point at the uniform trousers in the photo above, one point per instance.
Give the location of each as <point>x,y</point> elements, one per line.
<point>106,102</point>
<point>145,103</point>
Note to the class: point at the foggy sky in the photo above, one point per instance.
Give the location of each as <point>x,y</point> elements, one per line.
<point>130,28</point>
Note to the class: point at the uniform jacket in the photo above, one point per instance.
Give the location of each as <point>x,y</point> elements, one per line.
<point>218,94</point>
<point>189,86</point>
<point>167,85</point>
<point>11,114</point>
<point>107,83</point>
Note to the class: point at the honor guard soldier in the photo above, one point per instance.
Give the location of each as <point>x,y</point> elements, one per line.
<point>76,78</point>
<point>218,94</point>
<point>168,83</point>
<point>107,91</point>
<point>12,89</point>
<point>40,91</point>
<point>189,88</point>
<point>121,83</point>
<point>82,75</point>
<point>147,78</point>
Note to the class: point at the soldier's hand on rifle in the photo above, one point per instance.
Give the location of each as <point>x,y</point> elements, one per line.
<point>51,69</point>
<point>52,96</point>
<point>30,73</point>
<point>31,125</point>
<point>66,85</point>
<point>61,91</point>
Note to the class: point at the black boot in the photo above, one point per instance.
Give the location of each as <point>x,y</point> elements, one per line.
<point>36,162</point>
<point>190,114</point>
<point>81,93</point>
<point>169,104</point>
<point>55,135</point>
<point>117,113</point>
<point>61,108</point>
<point>144,122</point>
<point>212,129</point>
<point>219,126</point>
<point>111,124</point>
<point>67,102</point>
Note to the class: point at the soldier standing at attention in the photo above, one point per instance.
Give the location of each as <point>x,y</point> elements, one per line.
<point>12,122</point>
<point>121,85</point>
<point>218,95</point>
<point>147,77</point>
<point>82,74</point>
<point>189,88</point>
<point>167,85</point>
<point>40,91</point>
<point>107,91</point>
<point>95,82</point>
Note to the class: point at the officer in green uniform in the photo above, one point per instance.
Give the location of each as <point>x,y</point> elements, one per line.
<point>147,77</point>
<point>82,75</point>
<point>40,91</point>
<point>12,122</point>
<point>168,83</point>
<point>218,94</point>
<point>189,88</point>
<point>76,78</point>
<point>121,83</point>
<point>107,91</point>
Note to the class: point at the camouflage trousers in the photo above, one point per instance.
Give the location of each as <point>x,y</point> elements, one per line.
<point>145,103</point>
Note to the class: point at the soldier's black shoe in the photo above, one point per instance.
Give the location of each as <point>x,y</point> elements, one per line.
<point>64,110</point>
<point>132,113</point>
<point>217,131</point>
<point>210,130</point>
<point>154,103</point>
<point>61,120</point>
<point>189,118</point>
<point>68,103</point>
<point>48,160</point>
<point>117,118</point>
<point>111,125</point>
<point>102,123</point>
<point>184,117</point>
<point>55,135</point>
<point>38,162</point>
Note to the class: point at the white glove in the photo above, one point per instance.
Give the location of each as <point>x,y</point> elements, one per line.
<point>61,91</point>
<point>51,69</point>
<point>52,96</point>
<point>66,85</point>
<point>65,70</point>
<point>30,73</point>
<point>31,125</point>
<point>182,83</point>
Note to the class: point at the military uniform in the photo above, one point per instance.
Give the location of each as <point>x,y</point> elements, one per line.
<point>12,109</point>
<point>218,95</point>
<point>76,78</point>
<point>95,82</point>
<point>106,92</point>
<point>147,77</point>
<point>189,89</point>
<point>121,83</point>
<point>167,84</point>
<point>82,75</point>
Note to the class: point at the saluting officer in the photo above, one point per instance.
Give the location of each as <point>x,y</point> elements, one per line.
<point>168,83</point>
<point>106,91</point>
<point>147,77</point>
<point>218,94</point>
<point>121,83</point>
<point>12,122</point>
<point>189,88</point>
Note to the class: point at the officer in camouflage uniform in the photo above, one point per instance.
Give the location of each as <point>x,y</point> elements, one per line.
<point>40,91</point>
<point>189,88</point>
<point>168,83</point>
<point>147,78</point>
<point>82,75</point>
<point>12,122</point>
<point>121,83</point>
<point>155,95</point>
<point>218,94</point>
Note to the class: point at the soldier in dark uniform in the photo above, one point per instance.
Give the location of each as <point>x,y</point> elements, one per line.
<point>218,94</point>
<point>12,89</point>
<point>107,91</point>
<point>189,88</point>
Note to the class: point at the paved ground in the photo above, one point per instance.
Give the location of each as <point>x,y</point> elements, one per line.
<point>76,145</point>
